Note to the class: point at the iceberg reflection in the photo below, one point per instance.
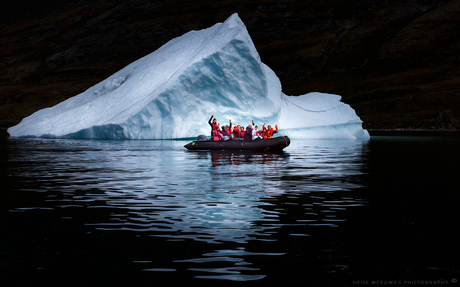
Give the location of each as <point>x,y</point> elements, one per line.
<point>208,203</point>
<point>157,189</point>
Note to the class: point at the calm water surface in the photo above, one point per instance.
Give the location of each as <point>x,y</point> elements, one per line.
<point>136,213</point>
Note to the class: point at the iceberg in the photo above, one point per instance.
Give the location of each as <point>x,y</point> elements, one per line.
<point>172,92</point>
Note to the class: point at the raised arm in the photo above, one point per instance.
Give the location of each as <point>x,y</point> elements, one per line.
<point>209,122</point>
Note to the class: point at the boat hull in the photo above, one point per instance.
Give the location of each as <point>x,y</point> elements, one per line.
<point>274,144</point>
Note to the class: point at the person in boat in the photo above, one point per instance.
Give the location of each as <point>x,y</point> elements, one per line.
<point>236,132</point>
<point>227,132</point>
<point>264,130</point>
<point>214,125</point>
<point>216,135</point>
<point>255,134</point>
<point>248,134</point>
<point>222,131</point>
<point>269,132</point>
<point>260,133</point>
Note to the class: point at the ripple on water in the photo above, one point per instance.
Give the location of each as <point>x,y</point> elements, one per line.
<point>158,189</point>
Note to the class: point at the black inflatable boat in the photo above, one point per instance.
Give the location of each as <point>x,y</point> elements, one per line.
<point>274,144</point>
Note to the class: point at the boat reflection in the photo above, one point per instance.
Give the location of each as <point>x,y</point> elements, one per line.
<point>219,158</point>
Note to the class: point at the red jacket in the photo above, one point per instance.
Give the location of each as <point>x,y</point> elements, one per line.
<point>236,133</point>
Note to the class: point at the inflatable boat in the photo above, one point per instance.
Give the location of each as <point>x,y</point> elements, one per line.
<point>274,144</point>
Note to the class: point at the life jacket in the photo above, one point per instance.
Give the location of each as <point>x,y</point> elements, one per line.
<point>270,132</point>
<point>236,133</point>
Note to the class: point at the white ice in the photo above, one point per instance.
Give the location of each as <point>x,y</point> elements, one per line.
<point>172,92</point>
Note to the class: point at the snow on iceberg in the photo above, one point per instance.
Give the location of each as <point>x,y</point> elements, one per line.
<point>172,92</point>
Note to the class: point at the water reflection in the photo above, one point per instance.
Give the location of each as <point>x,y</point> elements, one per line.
<point>159,189</point>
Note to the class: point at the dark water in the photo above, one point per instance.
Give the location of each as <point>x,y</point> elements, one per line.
<point>151,213</point>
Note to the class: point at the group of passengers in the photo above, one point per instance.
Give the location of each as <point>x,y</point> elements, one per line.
<point>251,132</point>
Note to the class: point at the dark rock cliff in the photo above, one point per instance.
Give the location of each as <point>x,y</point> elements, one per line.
<point>397,63</point>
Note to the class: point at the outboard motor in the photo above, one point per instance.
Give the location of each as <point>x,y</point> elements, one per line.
<point>202,138</point>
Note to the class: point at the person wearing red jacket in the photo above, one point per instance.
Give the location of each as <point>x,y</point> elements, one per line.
<point>269,132</point>
<point>264,131</point>
<point>214,123</point>
<point>216,135</point>
<point>236,132</point>
<point>214,126</point>
<point>260,133</point>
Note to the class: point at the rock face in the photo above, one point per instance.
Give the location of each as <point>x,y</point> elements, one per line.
<point>396,64</point>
